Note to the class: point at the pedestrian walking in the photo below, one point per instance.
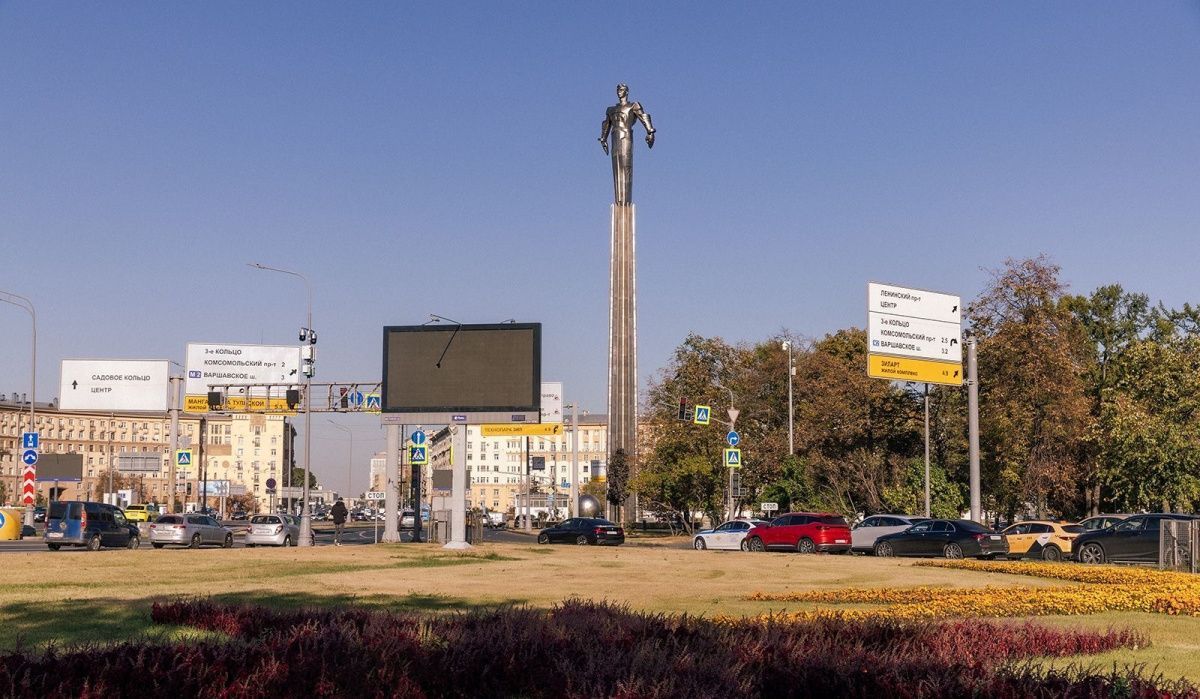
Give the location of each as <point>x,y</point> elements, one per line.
<point>339,521</point>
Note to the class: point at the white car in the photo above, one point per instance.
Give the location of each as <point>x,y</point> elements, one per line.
<point>728,536</point>
<point>864,534</point>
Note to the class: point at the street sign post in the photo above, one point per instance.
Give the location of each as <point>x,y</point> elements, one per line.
<point>418,437</point>
<point>702,415</point>
<point>913,335</point>
<point>769,507</point>
<point>376,495</point>
<point>183,457</point>
<point>733,438</point>
<point>733,457</point>
<point>418,455</point>
<point>114,385</point>
<point>529,430</point>
<point>29,440</point>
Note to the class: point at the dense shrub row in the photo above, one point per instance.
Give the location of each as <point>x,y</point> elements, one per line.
<point>579,649</point>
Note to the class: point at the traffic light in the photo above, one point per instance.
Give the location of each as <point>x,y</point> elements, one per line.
<point>683,408</point>
<point>293,398</point>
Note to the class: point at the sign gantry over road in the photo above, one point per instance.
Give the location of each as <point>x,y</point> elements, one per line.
<point>913,335</point>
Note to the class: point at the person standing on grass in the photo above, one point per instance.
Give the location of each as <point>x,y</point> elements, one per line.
<point>339,521</point>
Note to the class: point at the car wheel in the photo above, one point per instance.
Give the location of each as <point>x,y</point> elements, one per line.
<point>581,540</point>
<point>953,551</point>
<point>745,545</point>
<point>93,544</point>
<point>134,543</point>
<point>884,550</point>
<point>756,545</point>
<point>806,545</point>
<point>699,544</point>
<point>543,538</point>
<point>1092,554</point>
<point>287,540</point>
<point>228,541</point>
<point>195,541</point>
<point>54,547</point>
<point>157,546</point>
<point>1052,553</point>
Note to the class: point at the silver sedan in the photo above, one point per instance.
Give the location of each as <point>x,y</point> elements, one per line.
<point>189,530</point>
<point>273,530</point>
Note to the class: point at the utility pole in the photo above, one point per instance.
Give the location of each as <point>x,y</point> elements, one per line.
<point>391,525</point>
<point>973,424</point>
<point>173,410</point>
<point>927,505</point>
<point>528,510</point>
<point>573,510</point>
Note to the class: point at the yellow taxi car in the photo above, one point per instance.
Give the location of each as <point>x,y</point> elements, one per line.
<point>1050,541</point>
<point>141,513</point>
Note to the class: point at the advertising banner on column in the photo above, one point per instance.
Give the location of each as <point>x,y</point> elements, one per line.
<point>232,365</point>
<point>139,385</point>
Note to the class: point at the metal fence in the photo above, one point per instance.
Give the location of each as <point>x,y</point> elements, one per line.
<point>1178,544</point>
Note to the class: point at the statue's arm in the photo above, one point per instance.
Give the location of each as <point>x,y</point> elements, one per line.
<point>643,117</point>
<point>604,129</point>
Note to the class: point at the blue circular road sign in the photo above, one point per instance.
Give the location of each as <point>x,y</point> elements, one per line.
<point>418,437</point>
<point>270,483</point>
<point>733,438</point>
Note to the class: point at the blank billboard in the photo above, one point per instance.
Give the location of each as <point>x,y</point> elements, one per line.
<point>468,372</point>
<point>60,467</point>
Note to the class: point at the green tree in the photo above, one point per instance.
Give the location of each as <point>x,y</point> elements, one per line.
<point>1151,427</point>
<point>617,476</point>
<point>297,479</point>
<point>908,495</point>
<point>686,486</point>
<point>1034,409</point>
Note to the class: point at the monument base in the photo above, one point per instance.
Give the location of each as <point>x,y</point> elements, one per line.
<point>458,546</point>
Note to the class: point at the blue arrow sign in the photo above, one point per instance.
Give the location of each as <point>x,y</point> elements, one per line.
<point>29,440</point>
<point>355,398</point>
<point>418,437</point>
<point>29,457</point>
<point>733,438</point>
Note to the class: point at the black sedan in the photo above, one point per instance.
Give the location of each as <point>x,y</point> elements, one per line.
<point>951,538</point>
<point>582,531</point>
<point>1133,540</point>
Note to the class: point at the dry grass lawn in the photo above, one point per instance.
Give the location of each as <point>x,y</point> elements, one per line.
<point>80,596</point>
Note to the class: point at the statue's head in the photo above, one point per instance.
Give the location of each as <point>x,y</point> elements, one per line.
<point>622,91</point>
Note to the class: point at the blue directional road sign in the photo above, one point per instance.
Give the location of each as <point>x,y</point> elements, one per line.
<point>29,440</point>
<point>418,456</point>
<point>29,457</point>
<point>418,437</point>
<point>355,398</point>
<point>702,414</point>
<point>733,458</point>
<point>733,438</point>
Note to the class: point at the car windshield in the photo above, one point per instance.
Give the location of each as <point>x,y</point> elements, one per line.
<point>1073,529</point>
<point>831,521</point>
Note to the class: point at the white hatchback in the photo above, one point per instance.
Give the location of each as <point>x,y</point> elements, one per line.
<point>727,537</point>
<point>864,534</point>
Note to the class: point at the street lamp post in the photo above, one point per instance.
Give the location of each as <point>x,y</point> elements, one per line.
<point>787,345</point>
<point>733,416</point>
<point>573,509</point>
<point>350,463</point>
<point>26,304</point>
<point>308,366</point>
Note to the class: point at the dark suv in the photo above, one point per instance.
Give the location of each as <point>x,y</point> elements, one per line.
<point>1135,540</point>
<point>90,524</point>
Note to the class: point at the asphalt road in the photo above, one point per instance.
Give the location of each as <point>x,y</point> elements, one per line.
<point>354,535</point>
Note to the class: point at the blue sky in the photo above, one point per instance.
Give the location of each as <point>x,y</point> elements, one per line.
<point>419,158</point>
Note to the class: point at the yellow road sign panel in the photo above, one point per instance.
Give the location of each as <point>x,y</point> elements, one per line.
<point>908,369</point>
<point>546,429</point>
<point>199,404</point>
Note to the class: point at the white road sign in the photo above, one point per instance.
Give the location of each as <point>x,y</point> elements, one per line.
<point>913,303</point>
<point>914,337</point>
<point>552,401</point>
<point>376,495</point>
<point>238,365</point>
<point>114,384</point>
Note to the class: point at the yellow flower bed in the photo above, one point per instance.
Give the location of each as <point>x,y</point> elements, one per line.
<point>1104,589</point>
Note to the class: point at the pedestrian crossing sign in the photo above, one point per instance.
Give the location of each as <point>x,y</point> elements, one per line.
<point>733,458</point>
<point>183,457</point>
<point>702,414</point>
<point>418,456</point>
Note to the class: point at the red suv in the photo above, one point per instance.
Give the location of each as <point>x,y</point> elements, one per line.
<point>806,532</point>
